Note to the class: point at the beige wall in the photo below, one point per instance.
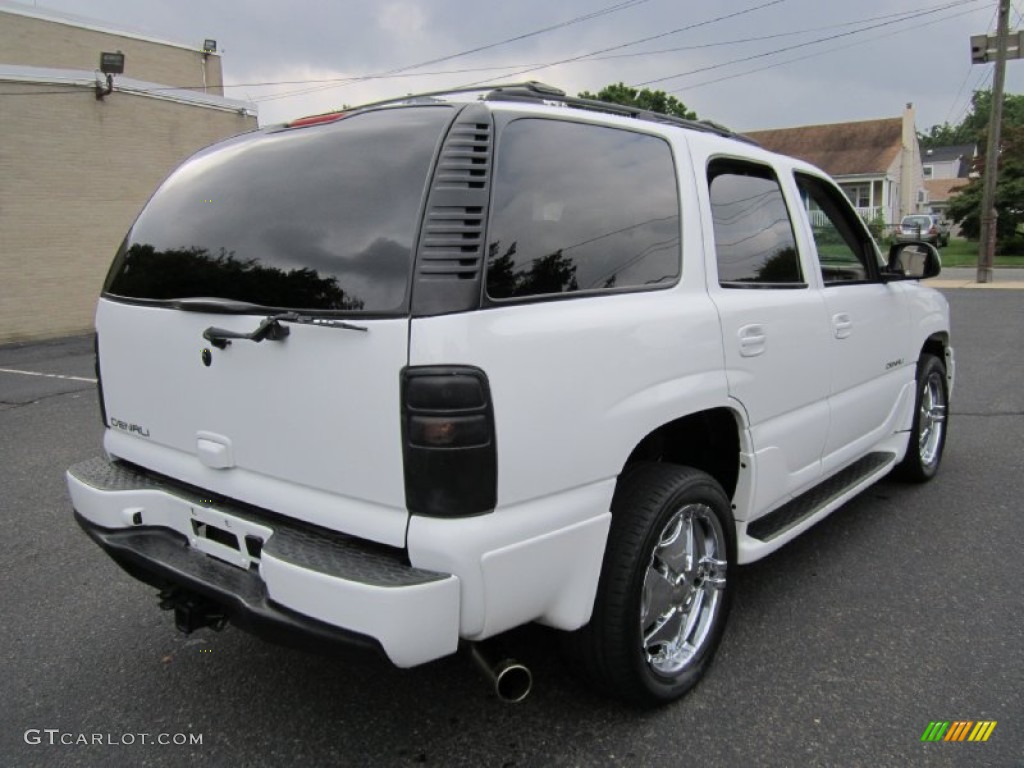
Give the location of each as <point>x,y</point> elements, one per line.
<point>31,42</point>
<point>74,173</point>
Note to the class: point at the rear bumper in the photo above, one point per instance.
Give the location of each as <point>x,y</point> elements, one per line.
<point>931,239</point>
<point>161,558</point>
<point>286,581</point>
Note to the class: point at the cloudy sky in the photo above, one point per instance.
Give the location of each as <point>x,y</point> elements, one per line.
<point>747,63</point>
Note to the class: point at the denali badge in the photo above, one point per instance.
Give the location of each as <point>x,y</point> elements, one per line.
<point>124,426</point>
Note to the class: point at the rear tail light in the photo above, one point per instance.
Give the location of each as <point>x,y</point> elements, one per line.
<point>448,443</point>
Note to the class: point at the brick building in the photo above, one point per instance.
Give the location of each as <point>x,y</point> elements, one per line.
<point>76,169</point>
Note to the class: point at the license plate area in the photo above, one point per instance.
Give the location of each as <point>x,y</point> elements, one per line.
<point>226,537</point>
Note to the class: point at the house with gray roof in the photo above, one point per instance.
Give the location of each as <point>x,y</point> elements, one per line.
<point>954,162</point>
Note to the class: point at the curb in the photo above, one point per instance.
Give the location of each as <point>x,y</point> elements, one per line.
<point>1003,285</point>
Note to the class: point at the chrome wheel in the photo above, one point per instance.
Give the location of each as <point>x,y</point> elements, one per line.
<point>932,419</point>
<point>683,588</point>
<point>931,422</point>
<point>665,589</point>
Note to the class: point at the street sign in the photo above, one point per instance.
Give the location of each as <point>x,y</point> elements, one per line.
<point>983,47</point>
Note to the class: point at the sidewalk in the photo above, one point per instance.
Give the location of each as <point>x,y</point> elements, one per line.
<point>1003,278</point>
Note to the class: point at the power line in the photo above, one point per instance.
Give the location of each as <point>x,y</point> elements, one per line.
<point>335,82</point>
<point>644,39</point>
<point>759,38</point>
<point>593,56</point>
<point>803,44</point>
<point>621,6</point>
<point>815,54</point>
<point>970,71</point>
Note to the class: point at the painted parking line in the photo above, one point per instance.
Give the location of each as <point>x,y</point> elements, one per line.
<point>47,375</point>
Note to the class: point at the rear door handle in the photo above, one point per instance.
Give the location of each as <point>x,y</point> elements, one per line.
<point>753,339</point>
<point>842,325</point>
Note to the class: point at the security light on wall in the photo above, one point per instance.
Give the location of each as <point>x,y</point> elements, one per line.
<point>209,46</point>
<point>110,64</point>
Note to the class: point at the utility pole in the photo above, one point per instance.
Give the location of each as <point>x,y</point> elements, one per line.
<point>989,215</point>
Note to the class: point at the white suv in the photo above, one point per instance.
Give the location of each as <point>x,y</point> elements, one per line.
<point>410,376</point>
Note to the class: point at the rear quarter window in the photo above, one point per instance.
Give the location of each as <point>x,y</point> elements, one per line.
<point>580,207</point>
<point>318,218</point>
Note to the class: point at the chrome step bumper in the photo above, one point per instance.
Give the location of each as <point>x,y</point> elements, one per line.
<point>290,582</point>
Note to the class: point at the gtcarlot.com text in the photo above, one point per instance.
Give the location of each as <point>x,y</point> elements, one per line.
<point>54,737</point>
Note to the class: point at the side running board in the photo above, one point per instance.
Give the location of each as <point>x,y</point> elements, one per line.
<point>806,504</point>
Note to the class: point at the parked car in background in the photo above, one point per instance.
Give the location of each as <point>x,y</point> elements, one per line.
<point>923,227</point>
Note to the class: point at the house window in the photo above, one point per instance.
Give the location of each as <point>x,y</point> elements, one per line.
<point>928,171</point>
<point>859,195</point>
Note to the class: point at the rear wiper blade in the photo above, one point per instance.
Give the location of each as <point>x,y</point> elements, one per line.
<point>271,328</point>
<point>295,317</point>
<point>213,304</point>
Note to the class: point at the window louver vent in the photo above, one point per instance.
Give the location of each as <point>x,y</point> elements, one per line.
<point>465,159</point>
<point>449,260</point>
<point>452,243</point>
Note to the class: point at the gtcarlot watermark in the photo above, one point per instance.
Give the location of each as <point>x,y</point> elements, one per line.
<point>55,737</point>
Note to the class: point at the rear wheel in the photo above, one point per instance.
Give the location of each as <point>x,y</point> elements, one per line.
<point>931,413</point>
<point>664,592</point>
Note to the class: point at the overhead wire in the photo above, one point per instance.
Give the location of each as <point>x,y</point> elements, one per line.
<point>806,43</point>
<point>621,6</point>
<point>815,54</point>
<point>596,55</point>
<point>530,68</point>
<point>648,39</point>
<point>978,80</point>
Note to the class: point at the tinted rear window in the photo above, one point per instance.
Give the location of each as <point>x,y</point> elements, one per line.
<point>319,218</point>
<point>580,207</point>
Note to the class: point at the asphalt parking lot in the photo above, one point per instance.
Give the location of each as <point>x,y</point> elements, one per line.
<point>904,607</point>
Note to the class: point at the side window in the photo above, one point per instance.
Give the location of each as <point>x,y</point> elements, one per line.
<point>845,251</point>
<point>754,240</point>
<point>581,207</point>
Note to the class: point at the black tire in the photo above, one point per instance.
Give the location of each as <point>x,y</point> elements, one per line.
<point>611,651</point>
<point>931,422</point>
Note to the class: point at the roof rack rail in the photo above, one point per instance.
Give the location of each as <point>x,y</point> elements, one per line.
<point>533,91</point>
<point>540,92</point>
<point>531,86</point>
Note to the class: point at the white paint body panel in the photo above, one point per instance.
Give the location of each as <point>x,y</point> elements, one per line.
<point>312,421</point>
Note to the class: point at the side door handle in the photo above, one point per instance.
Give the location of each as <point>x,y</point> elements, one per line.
<point>842,325</point>
<point>752,340</point>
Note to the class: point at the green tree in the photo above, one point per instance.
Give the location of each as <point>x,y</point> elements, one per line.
<point>655,101</point>
<point>965,206</point>
<point>971,129</point>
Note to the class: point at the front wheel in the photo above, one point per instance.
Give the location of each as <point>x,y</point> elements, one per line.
<point>665,587</point>
<point>931,413</point>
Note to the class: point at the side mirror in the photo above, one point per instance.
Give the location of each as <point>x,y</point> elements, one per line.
<point>913,261</point>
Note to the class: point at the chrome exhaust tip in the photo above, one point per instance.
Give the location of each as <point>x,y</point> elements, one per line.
<point>511,679</point>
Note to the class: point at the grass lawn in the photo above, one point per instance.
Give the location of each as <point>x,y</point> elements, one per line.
<point>964,253</point>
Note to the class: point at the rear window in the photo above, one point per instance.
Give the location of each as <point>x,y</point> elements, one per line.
<point>917,221</point>
<point>317,218</point>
